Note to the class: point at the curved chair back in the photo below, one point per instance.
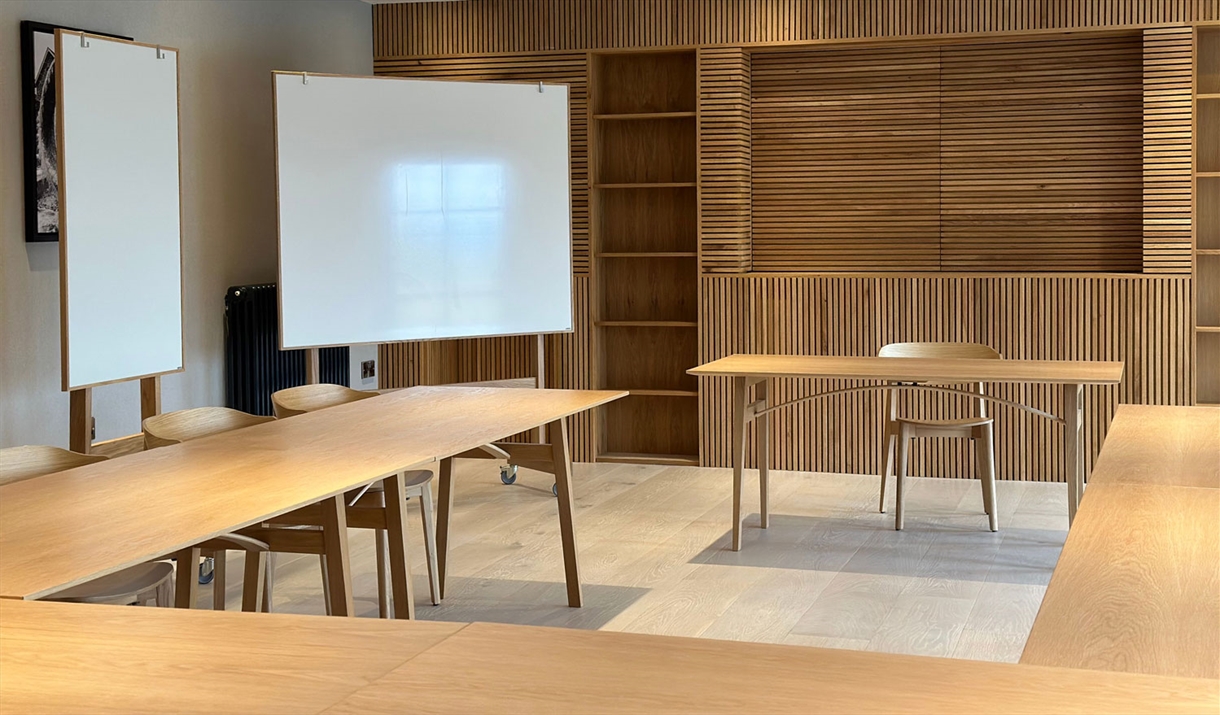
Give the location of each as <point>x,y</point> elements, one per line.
<point>308,398</point>
<point>20,463</point>
<point>939,350</point>
<point>174,427</point>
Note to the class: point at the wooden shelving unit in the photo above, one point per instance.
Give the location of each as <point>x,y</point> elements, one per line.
<point>644,205</point>
<point>1207,214</point>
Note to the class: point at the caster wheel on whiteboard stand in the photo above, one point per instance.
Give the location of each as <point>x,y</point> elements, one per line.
<point>207,571</point>
<point>554,490</point>
<point>508,473</point>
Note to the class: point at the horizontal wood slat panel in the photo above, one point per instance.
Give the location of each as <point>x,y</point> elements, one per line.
<point>568,364</point>
<point>1143,321</point>
<point>570,69</point>
<point>725,158</point>
<point>497,26</point>
<point>1041,155</point>
<point>846,162</point>
<point>1167,147</point>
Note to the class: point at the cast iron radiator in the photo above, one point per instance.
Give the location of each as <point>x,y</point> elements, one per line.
<point>255,367</point>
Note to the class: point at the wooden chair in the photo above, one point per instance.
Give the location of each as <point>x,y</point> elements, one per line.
<point>138,585</point>
<point>176,427</point>
<point>898,431</point>
<point>308,398</point>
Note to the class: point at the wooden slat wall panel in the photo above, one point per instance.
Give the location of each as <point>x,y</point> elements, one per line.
<point>497,26</point>
<point>568,364</point>
<point>1041,155</point>
<point>846,159</point>
<point>1143,321</point>
<point>570,68</point>
<point>724,160</point>
<point>1167,146</point>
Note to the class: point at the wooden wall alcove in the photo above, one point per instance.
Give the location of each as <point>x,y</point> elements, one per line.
<point>983,174</point>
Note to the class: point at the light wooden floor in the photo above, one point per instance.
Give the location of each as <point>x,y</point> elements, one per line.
<point>830,571</point>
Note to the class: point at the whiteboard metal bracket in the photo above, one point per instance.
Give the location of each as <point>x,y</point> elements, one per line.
<point>83,41</point>
<point>304,78</point>
<point>539,88</point>
<point>160,53</point>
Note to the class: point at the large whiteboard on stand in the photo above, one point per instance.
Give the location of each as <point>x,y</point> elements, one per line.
<point>421,209</point>
<point>120,231</point>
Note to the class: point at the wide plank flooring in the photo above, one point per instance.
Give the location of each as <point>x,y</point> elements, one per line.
<point>830,571</point>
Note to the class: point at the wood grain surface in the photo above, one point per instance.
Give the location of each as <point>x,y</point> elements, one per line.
<point>937,370</point>
<point>1158,445</point>
<point>62,529</point>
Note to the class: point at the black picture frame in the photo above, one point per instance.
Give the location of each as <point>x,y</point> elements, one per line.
<point>38,138</point>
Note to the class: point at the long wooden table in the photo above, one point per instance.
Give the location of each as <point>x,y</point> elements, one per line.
<point>1137,586</point>
<point>73,658</point>
<point>64,529</point>
<point>758,370</point>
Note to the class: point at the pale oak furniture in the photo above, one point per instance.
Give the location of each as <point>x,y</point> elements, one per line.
<point>759,370</point>
<point>899,431</point>
<point>165,500</point>
<point>418,483</point>
<point>57,658</point>
<point>1137,586</point>
<point>139,584</point>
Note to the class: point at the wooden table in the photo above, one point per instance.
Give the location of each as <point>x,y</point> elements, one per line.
<point>1137,586</point>
<point>67,528</point>
<point>758,370</point>
<point>74,658</point>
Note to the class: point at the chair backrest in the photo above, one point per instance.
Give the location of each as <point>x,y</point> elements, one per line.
<point>939,350</point>
<point>308,398</point>
<point>174,427</point>
<point>19,463</point>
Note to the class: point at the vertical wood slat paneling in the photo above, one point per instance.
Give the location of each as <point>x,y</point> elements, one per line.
<point>568,68</point>
<point>1167,148</point>
<point>1041,155</point>
<point>568,364</point>
<point>846,164</point>
<point>1142,321</point>
<point>724,160</point>
<point>499,26</point>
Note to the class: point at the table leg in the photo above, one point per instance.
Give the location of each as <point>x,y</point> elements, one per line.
<point>1072,447</point>
<point>186,590</point>
<point>562,462</point>
<point>338,565</point>
<point>396,532</point>
<point>444,506</point>
<point>763,441</point>
<point>739,454</point>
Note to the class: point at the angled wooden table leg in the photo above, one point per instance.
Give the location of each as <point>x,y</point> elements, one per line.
<point>1072,448</point>
<point>186,590</point>
<point>739,454</point>
<point>567,530</point>
<point>338,565</point>
<point>396,532</point>
<point>444,506</point>
<point>763,442</point>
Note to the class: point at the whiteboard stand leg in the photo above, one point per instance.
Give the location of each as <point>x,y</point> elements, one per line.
<point>540,364</point>
<point>150,397</point>
<point>312,372</point>
<point>80,420</point>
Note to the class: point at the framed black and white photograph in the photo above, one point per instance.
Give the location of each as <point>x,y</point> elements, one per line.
<point>38,109</point>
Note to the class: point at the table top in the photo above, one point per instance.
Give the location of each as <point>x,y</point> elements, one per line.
<point>61,657</point>
<point>66,528</point>
<point>941,370</point>
<point>1137,586</point>
<point>1156,444</point>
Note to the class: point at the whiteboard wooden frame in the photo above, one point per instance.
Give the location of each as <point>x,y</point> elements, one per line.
<point>65,376</point>
<point>278,236</point>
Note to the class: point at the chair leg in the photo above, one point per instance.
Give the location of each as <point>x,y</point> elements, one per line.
<point>887,461</point>
<point>254,581</point>
<point>986,459</point>
<point>269,581</point>
<point>904,443</point>
<point>380,545</point>
<point>425,508</point>
<point>218,580</point>
<point>325,582</point>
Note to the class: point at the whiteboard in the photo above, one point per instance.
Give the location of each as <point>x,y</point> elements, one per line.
<point>421,209</point>
<point>120,240</point>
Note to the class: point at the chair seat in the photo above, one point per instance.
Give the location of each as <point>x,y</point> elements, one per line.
<point>947,424</point>
<point>121,586</point>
